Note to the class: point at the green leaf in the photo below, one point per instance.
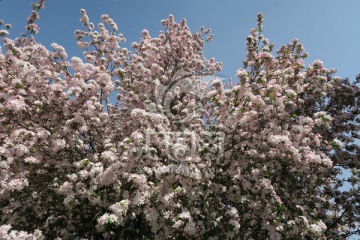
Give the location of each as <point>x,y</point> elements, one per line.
<point>19,86</point>
<point>86,162</point>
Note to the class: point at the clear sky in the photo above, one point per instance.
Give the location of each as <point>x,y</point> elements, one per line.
<point>329,29</point>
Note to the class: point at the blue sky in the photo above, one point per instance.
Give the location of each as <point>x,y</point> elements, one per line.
<point>329,29</point>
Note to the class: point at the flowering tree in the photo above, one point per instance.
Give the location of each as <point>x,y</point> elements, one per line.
<point>174,156</point>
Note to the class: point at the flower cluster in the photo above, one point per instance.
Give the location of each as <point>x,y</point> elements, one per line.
<point>75,165</point>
